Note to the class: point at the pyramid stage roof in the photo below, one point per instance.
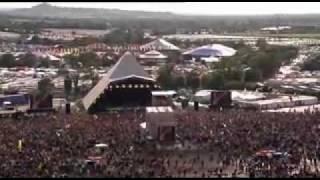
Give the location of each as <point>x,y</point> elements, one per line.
<point>127,67</point>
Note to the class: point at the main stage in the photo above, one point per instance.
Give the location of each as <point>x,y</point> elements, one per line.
<point>126,85</point>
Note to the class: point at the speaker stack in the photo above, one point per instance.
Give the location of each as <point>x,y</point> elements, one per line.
<point>68,109</point>
<point>196,106</point>
<point>185,104</point>
<point>182,104</point>
<point>221,99</point>
<point>31,101</point>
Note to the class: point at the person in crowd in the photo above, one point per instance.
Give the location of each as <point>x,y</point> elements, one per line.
<point>224,143</point>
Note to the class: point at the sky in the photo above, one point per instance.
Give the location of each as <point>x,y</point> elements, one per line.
<point>194,8</point>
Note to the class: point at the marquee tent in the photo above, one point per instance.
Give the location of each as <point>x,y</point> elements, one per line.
<point>212,50</point>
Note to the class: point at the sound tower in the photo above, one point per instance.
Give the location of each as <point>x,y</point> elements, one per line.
<point>50,101</point>
<point>184,103</point>
<point>45,102</point>
<point>196,106</point>
<point>31,98</point>
<point>68,109</point>
<point>221,99</point>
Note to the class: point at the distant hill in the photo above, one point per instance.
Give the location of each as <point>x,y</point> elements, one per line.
<point>45,10</point>
<point>45,15</point>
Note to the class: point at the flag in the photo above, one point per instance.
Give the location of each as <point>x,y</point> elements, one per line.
<point>40,167</point>
<point>20,145</point>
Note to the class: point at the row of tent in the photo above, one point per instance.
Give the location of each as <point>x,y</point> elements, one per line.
<point>207,51</point>
<point>212,50</point>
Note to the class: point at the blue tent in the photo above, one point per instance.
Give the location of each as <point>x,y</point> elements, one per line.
<point>17,99</point>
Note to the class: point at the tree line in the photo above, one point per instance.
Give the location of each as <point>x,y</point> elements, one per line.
<point>8,60</point>
<point>311,64</point>
<point>165,25</point>
<point>83,60</point>
<point>90,59</point>
<point>248,66</point>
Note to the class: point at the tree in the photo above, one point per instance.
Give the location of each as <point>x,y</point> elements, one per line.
<point>28,60</point>
<point>204,81</point>
<point>89,59</point>
<point>7,60</point>
<point>118,36</point>
<point>312,64</point>
<point>123,36</point>
<point>67,86</point>
<point>107,60</point>
<point>264,63</point>
<point>85,60</point>
<point>262,43</point>
<point>75,80</point>
<point>72,61</point>
<point>35,40</point>
<point>253,75</point>
<point>44,62</point>
<point>45,86</point>
<point>94,77</point>
<point>193,80</point>
<point>84,41</point>
<point>165,78</point>
<point>179,81</point>
<point>214,80</point>
<point>135,36</point>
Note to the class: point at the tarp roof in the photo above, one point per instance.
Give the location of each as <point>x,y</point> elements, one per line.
<point>163,93</point>
<point>297,109</point>
<point>210,59</point>
<point>126,67</point>
<point>160,44</point>
<point>153,54</point>
<point>247,95</point>
<point>159,109</point>
<point>212,50</point>
<point>46,55</point>
<point>53,58</point>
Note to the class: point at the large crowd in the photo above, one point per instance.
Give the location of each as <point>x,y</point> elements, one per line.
<point>236,136</point>
<point>212,144</point>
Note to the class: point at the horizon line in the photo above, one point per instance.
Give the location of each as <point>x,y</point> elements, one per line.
<point>168,11</point>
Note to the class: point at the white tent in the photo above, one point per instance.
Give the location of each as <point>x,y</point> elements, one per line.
<point>164,93</point>
<point>46,55</point>
<point>53,58</point>
<point>280,102</point>
<point>153,54</point>
<point>203,96</point>
<point>7,103</point>
<point>210,59</point>
<point>160,44</point>
<point>247,95</point>
<point>203,93</point>
<point>212,50</point>
<point>278,28</point>
<point>101,145</point>
<point>40,54</point>
<point>143,125</point>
